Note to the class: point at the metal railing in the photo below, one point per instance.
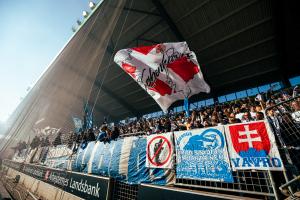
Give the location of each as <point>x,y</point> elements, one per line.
<point>123,191</point>
<point>246,183</point>
<point>284,119</point>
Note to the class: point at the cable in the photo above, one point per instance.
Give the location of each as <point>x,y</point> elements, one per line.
<point>106,69</point>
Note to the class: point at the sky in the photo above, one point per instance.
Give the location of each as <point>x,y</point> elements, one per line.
<point>32,33</point>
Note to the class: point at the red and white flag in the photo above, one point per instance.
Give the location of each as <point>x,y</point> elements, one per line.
<point>167,71</point>
<point>252,145</point>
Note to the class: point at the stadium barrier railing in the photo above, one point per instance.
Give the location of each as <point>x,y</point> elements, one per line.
<point>285,123</point>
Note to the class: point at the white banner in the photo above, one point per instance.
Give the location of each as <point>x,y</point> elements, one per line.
<point>59,151</point>
<point>252,146</point>
<point>167,71</point>
<point>159,152</point>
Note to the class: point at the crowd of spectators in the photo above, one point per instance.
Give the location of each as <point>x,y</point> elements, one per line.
<point>238,111</point>
<point>241,110</point>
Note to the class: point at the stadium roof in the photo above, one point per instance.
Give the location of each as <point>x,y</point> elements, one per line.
<point>238,43</point>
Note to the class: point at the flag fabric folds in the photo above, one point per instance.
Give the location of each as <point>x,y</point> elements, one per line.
<point>167,71</point>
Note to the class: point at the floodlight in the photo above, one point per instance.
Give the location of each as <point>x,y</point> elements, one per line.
<point>92,5</point>
<point>85,14</point>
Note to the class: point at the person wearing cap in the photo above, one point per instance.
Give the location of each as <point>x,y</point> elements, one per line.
<point>275,121</point>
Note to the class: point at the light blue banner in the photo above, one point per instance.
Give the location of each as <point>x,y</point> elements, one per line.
<point>86,156</point>
<point>202,154</point>
<point>114,165</point>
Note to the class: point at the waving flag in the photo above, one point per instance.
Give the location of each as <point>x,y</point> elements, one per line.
<point>168,71</point>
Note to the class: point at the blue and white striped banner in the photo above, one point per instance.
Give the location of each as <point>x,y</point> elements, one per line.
<point>123,159</point>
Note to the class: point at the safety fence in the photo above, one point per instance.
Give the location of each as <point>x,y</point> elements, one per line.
<point>129,160</point>
<point>249,182</point>
<point>123,191</point>
<point>284,119</point>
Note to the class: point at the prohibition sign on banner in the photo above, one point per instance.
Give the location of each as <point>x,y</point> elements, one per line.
<point>159,150</point>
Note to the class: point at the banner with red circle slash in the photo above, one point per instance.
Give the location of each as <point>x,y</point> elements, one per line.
<point>160,151</point>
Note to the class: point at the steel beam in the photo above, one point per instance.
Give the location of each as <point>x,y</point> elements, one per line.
<point>141,11</point>
<point>168,19</point>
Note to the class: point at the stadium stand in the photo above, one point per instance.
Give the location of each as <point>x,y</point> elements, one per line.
<point>282,116</point>
<point>241,50</point>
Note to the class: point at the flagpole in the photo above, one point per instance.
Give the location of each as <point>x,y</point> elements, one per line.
<point>186,106</point>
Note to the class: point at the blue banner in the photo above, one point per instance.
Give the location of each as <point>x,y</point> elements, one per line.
<point>97,159</point>
<point>202,154</point>
<point>86,156</point>
<point>77,124</point>
<point>123,159</point>
<point>105,160</point>
<point>77,164</point>
<point>137,171</point>
<point>116,148</point>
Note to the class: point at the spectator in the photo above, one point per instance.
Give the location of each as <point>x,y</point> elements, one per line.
<point>72,139</point>
<point>90,135</point>
<point>189,124</point>
<point>45,142</point>
<point>115,133</point>
<point>296,114</point>
<point>242,110</point>
<point>259,116</point>
<point>238,113</point>
<point>158,127</point>
<point>84,141</point>
<point>23,145</point>
<point>166,125</point>
<point>102,136</point>
<point>35,142</point>
<point>232,119</point>
<point>274,121</point>
<point>57,140</point>
<point>247,117</point>
<point>253,112</point>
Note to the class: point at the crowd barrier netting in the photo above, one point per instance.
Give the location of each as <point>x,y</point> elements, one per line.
<point>285,124</point>
<point>234,158</point>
